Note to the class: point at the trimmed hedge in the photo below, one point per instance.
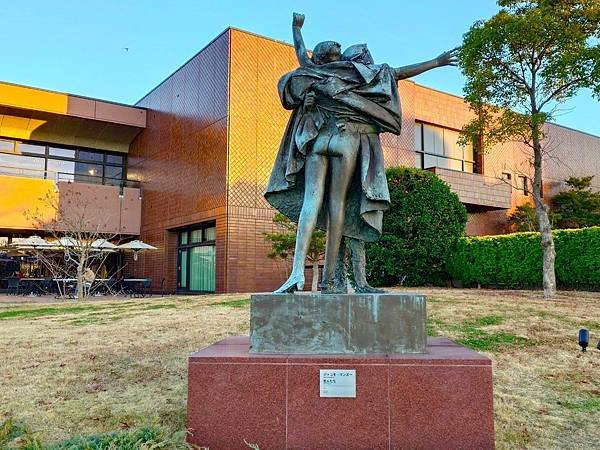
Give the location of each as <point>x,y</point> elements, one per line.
<point>514,261</point>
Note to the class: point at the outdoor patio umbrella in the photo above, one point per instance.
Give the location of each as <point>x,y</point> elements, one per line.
<point>31,243</point>
<point>65,242</point>
<point>136,247</point>
<point>103,245</point>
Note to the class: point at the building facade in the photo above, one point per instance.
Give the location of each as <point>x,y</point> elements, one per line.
<point>56,147</point>
<point>203,153</point>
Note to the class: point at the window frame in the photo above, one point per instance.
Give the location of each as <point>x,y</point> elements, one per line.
<point>103,162</point>
<point>421,151</point>
<point>188,246</point>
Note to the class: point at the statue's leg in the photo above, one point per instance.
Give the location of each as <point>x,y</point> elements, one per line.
<point>340,283</point>
<point>315,171</point>
<point>344,150</point>
<point>359,267</point>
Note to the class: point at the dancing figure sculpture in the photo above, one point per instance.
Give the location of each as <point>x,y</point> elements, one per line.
<point>329,171</point>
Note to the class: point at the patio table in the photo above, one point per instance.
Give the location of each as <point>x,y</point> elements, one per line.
<point>34,285</point>
<point>137,286</point>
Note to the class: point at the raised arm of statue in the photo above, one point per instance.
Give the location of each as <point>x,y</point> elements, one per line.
<point>301,54</point>
<point>448,58</point>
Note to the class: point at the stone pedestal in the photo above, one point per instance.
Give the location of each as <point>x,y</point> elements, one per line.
<point>438,399</point>
<point>312,323</point>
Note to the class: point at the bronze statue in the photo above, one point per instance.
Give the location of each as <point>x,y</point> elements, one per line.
<point>329,171</point>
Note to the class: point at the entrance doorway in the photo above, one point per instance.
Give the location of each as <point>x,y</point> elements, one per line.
<point>196,259</point>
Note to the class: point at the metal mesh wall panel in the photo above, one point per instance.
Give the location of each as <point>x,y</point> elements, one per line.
<point>181,157</point>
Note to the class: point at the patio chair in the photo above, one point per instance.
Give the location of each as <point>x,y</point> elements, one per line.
<point>146,284</point>
<point>14,286</point>
<point>71,290</point>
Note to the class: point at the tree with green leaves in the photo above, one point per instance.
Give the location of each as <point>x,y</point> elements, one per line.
<point>577,207</point>
<point>421,228</point>
<point>520,64</point>
<point>283,243</point>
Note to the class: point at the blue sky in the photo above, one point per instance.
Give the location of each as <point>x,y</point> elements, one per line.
<point>120,50</point>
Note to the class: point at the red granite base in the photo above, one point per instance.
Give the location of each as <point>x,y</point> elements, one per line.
<point>441,399</point>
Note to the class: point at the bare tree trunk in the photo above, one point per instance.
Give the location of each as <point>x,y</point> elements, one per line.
<point>541,211</point>
<point>315,276</point>
<point>79,290</point>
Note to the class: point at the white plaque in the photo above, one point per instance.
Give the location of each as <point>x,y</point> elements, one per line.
<point>338,383</point>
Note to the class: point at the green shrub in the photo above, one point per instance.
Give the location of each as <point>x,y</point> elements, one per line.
<point>420,229</point>
<point>514,261</point>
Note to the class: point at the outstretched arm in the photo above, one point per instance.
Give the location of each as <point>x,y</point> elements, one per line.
<point>301,54</point>
<point>448,58</point>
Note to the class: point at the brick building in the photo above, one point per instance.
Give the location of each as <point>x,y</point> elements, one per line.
<point>211,130</point>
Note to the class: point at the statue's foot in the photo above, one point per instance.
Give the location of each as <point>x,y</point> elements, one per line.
<point>366,289</point>
<point>340,288</point>
<point>294,283</point>
<point>329,287</point>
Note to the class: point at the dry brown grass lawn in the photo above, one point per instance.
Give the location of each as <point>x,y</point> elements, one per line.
<point>85,368</point>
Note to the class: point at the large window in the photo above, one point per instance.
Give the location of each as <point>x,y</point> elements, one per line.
<point>438,147</point>
<point>196,259</point>
<point>61,163</point>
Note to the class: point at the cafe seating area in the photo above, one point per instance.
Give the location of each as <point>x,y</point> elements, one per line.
<point>34,267</point>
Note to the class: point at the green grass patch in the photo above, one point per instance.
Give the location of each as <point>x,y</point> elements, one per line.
<point>150,438</point>
<point>18,437</point>
<point>433,326</point>
<point>240,303</point>
<point>86,321</point>
<point>486,321</point>
<point>589,405</point>
<point>47,311</point>
<point>485,341</point>
<point>473,336</point>
<point>166,306</point>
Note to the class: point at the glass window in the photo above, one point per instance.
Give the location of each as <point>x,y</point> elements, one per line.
<point>87,155</point>
<point>32,148</point>
<point>443,163</point>
<point>195,236</point>
<point>469,154</point>
<point>114,159</point>
<point>441,149</point>
<point>522,184</point>
<point>433,139</point>
<point>418,137</point>
<point>429,161</point>
<point>87,172</point>
<point>29,166</point>
<point>419,160</point>
<point>183,259</point>
<point>62,152</point>
<point>454,164</point>
<point>210,234</point>
<point>183,238</point>
<point>113,175</point>
<point>202,268</point>
<point>61,170</point>
<point>451,147</point>
<point>7,146</point>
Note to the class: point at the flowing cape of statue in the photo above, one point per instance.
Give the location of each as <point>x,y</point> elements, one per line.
<point>363,97</point>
